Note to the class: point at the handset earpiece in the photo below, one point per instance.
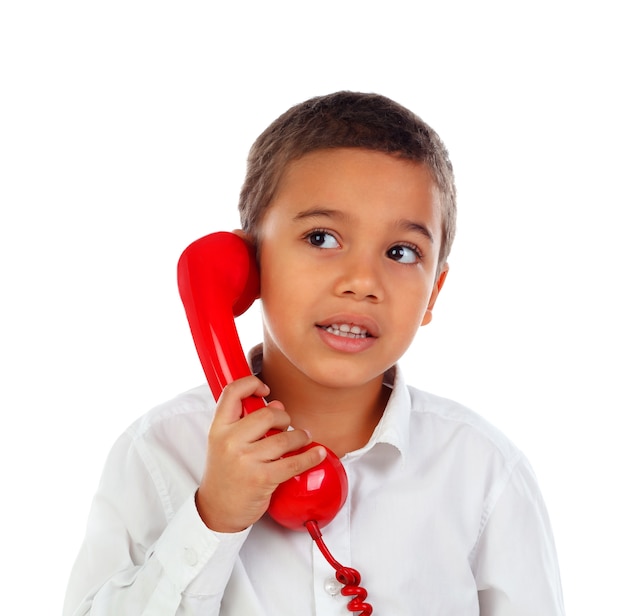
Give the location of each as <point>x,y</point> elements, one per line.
<point>218,280</point>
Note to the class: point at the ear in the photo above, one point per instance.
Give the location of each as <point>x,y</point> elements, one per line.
<point>441,278</point>
<point>250,239</point>
<point>244,236</point>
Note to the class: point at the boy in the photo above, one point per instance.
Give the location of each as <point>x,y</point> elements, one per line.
<point>350,202</point>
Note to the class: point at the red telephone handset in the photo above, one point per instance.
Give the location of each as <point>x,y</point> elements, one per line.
<point>218,280</point>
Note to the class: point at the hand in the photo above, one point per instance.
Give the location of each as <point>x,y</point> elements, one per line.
<point>243,466</point>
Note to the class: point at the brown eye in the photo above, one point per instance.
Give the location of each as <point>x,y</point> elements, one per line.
<point>403,254</point>
<point>322,239</point>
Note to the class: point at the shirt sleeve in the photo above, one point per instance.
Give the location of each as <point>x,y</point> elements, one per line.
<point>139,559</point>
<point>516,567</point>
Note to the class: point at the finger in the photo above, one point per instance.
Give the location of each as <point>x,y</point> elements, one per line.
<point>272,419</point>
<point>229,406</point>
<point>295,464</point>
<point>282,444</point>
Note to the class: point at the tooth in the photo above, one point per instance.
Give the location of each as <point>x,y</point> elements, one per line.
<point>347,331</point>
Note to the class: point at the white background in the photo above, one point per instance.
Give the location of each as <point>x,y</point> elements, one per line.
<point>124,129</point>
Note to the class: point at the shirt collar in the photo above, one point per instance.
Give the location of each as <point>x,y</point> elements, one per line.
<point>393,427</point>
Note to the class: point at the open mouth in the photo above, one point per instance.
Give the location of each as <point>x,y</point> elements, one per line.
<point>347,331</point>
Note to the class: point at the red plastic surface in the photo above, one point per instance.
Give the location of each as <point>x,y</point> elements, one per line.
<point>218,280</point>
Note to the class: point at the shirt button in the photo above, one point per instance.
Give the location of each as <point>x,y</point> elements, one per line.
<point>191,558</point>
<point>332,586</point>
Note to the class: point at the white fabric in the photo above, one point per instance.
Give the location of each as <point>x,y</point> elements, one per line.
<point>443,516</point>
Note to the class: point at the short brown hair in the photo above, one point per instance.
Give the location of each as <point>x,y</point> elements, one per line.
<point>345,120</point>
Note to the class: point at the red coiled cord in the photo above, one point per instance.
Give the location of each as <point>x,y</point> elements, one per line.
<point>350,578</point>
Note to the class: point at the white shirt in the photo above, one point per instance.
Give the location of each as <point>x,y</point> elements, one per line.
<point>443,517</point>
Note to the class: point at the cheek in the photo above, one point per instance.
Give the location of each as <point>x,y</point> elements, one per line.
<point>409,312</point>
<point>281,294</point>
<point>276,282</point>
<point>284,275</point>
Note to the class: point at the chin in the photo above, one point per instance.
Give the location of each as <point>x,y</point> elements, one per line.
<point>336,376</point>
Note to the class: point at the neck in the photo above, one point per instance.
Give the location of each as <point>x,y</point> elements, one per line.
<point>342,419</point>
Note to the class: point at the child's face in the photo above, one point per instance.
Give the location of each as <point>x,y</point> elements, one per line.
<point>351,239</point>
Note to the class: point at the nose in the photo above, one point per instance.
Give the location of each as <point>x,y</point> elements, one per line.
<point>360,277</point>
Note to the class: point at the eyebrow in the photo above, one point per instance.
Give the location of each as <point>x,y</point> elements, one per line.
<point>319,212</point>
<point>410,225</point>
<point>404,224</point>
